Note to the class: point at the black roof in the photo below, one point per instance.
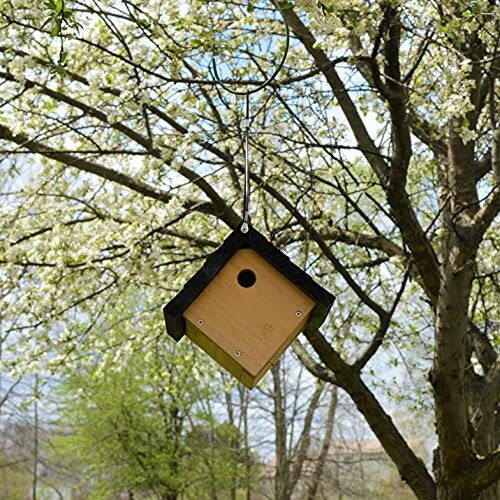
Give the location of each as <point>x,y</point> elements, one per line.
<point>173,311</point>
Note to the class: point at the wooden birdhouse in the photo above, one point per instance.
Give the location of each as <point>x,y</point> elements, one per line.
<point>246,305</point>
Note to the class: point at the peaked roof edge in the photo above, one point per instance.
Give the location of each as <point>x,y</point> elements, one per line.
<point>175,322</point>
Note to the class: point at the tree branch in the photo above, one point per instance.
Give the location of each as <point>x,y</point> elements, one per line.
<point>377,340</point>
<point>482,474</point>
<point>349,237</point>
<point>316,369</point>
<point>413,235</point>
<point>297,461</point>
<point>485,352</point>
<point>218,206</point>
<point>485,216</point>
<point>339,267</point>
<point>101,171</point>
<point>410,467</point>
<point>9,391</point>
<point>365,142</point>
<point>424,131</point>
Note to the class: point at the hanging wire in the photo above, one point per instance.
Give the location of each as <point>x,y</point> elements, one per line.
<point>247,92</point>
<point>246,192</point>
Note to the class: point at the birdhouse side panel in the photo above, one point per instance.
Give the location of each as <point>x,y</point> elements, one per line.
<point>223,359</point>
<point>213,350</point>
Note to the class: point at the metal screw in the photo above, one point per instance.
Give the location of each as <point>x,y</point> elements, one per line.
<point>200,322</point>
<point>298,314</point>
<point>238,353</point>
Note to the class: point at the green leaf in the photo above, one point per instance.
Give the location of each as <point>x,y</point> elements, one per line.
<point>326,7</point>
<point>60,70</point>
<point>56,28</point>
<point>47,21</point>
<point>68,14</point>
<point>62,57</point>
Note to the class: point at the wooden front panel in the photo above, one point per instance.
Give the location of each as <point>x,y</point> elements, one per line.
<point>253,325</point>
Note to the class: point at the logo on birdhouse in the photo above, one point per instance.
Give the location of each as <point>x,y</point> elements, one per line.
<point>246,305</point>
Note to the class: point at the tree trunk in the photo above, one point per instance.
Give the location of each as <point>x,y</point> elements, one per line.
<point>35,444</point>
<point>482,405</point>
<point>299,456</point>
<point>244,394</point>
<point>234,440</point>
<point>321,461</point>
<point>455,453</point>
<point>466,428</point>
<point>282,466</point>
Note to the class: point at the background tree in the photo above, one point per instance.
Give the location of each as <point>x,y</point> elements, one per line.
<point>295,412</point>
<point>376,161</point>
<point>136,425</point>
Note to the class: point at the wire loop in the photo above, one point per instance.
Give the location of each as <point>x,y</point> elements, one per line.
<point>217,78</point>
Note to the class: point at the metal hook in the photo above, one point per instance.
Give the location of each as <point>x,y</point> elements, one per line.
<point>215,73</point>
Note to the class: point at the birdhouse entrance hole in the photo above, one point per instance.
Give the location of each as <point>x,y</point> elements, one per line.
<point>246,278</point>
